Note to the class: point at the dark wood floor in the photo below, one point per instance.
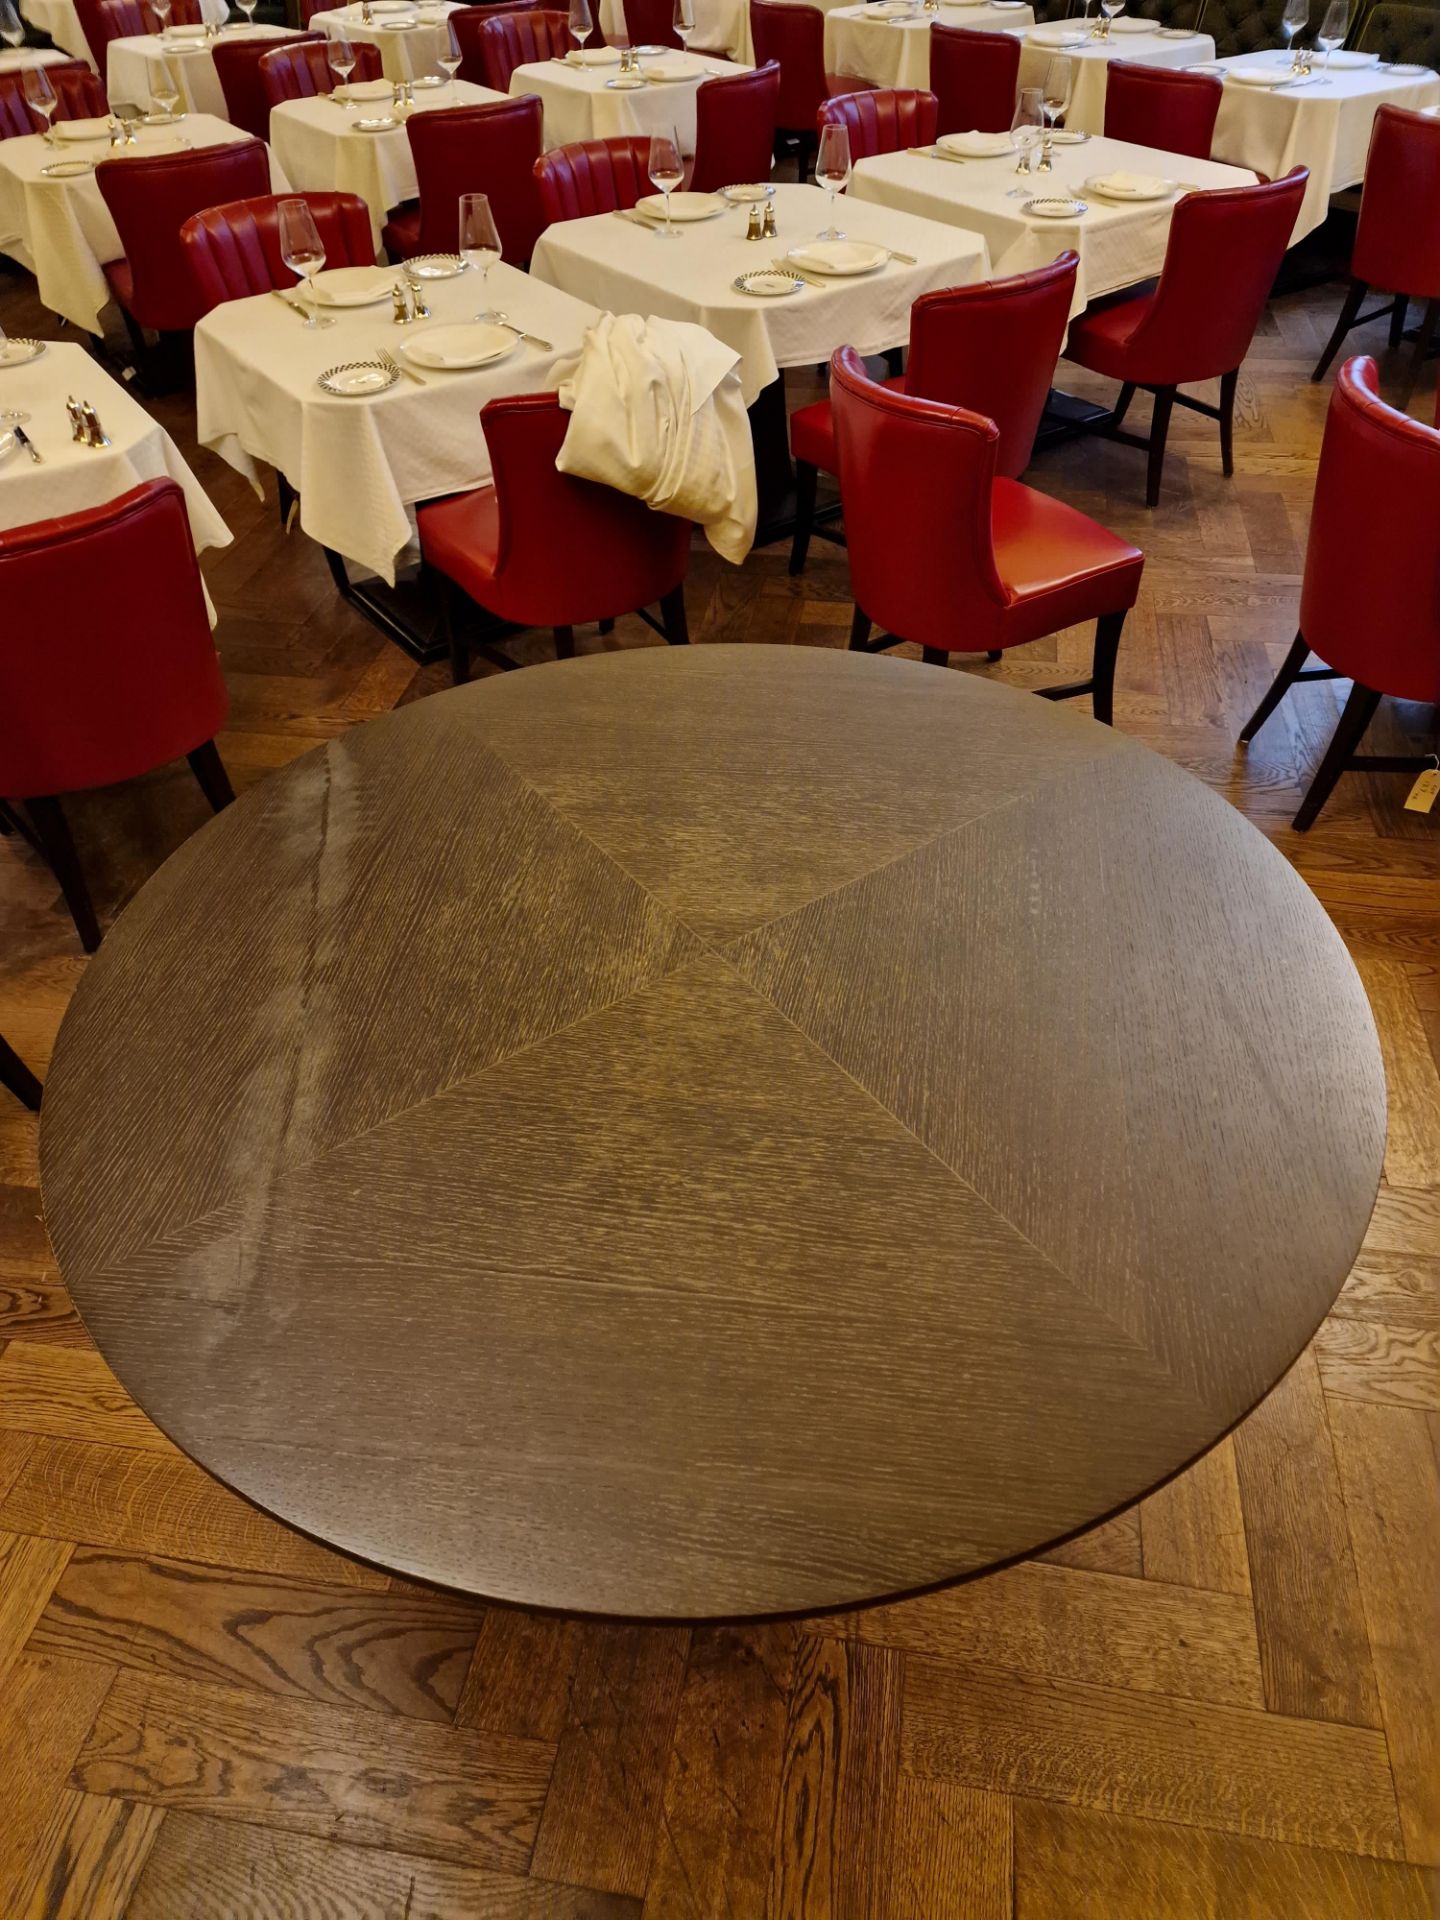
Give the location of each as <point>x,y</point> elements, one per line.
<point>1223,1703</point>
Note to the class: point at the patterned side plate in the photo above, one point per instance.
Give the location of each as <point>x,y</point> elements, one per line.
<point>67,169</point>
<point>768,283</point>
<point>16,351</point>
<point>357,379</point>
<point>1056,207</point>
<point>435,266</point>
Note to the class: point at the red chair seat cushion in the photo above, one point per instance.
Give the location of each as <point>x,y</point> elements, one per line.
<point>400,235</point>
<point>1100,338</point>
<point>812,432</point>
<point>460,537</point>
<point>1060,566</point>
<point>121,280</point>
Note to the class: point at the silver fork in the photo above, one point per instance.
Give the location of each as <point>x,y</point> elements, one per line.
<point>387,359</point>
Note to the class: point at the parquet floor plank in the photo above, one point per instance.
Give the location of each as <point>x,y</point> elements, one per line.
<point>70,1393</point>
<point>952,1854</point>
<point>29,1569</point>
<point>1193,1528</point>
<point>1112,1547</point>
<point>47,1707</point>
<point>87,1863</point>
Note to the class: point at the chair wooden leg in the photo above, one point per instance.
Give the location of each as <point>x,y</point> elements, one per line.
<point>1422,347</point>
<point>860,625</point>
<point>1397,320</point>
<point>1122,405</point>
<point>1285,679</point>
<point>672,617</point>
<point>1108,629</point>
<point>1228,384</point>
<point>1159,434</point>
<point>564,643</point>
<point>993,655</point>
<point>1349,314</point>
<point>53,835</point>
<point>807,480</point>
<point>453,633</point>
<point>287,497</point>
<point>1358,713</point>
<point>607,626</point>
<point>18,1079</point>
<point>934,656</point>
<point>209,769</point>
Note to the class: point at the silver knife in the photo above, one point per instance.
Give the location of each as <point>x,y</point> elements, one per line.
<point>905,259</point>
<point>29,445</point>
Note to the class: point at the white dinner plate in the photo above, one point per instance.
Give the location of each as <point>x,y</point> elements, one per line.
<point>1130,186</point>
<point>381,123</point>
<point>593,57</point>
<point>435,266</point>
<point>627,82</point>
<point>1349,60</point>
<point>1128,24</point>
<point>768,283</point>
<point>1261,76</point>
<point>429,80</point>
<point>673,70</point>
<point>1056,34</point>
<point>16,351</point>
<point>367,90</point>
<point>1056,206</point>
<point>889,10</point>
<point>964,3</point>
<point>683,206</point>
<point>357,379</point>
<point>1408,69</point>
<point>975,145</point>
<point>843,257</point>
<point>1067,137</point>
<point>182,33</point>
<point>463,343</point>
<point>353,286</point>
<point>83,129</point>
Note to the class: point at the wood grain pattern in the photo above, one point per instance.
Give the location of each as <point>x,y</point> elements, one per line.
<point>1368,1360</point>
<point>521,1674</point>
<point>1410,1072</point>
<point>1398,1289</point>
<point>70,1394</point>
<point>951,1854</point>
<point>468,1797</point>
<point>46,1709</point>
<point>29,1569</point>
<point>1112,1547</point>
<point>87,1863</point>
<point>1193,1528</point>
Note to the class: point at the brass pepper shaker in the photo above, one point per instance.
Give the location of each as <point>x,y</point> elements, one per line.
<point>753,230</point>
<point>768,229</point>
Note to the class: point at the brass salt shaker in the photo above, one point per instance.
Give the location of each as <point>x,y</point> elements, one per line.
<point>768,229</point>
<point>754,231</point>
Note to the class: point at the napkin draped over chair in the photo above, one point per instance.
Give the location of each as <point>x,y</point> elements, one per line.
<point>657,412</point>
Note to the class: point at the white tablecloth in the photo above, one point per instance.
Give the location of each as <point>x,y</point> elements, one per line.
<point>622,267</point>
<point>61,229</point>
<point>359,464</point>
<point>896,53</point>
<point>128,71</point>
<point>1085,112</point>
<point>1325,128</point>
<point>59,19</point>
<point>73,477</point>
<point>579,105</point>
<point>404,51</point>
<point>721,26</point>
<point>1118,244</point>
<point>13,59</point>
<point>317,144</point>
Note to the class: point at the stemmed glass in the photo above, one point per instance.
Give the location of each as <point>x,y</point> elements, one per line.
<point>247,7</point>
<point>161,11</point>
<point>450,57</point>
<point>1295,18</point>
<point>1333,29</point>
<point>12,27</point>
<point>832,170</point>
<point>1024,128</point>
<point>666,172</point>
<point>1110,8</point>
<point>479,241</point>
<point>341,60</point>
<point>683,20</point>
<point>302,251</point>
<point>164,87</point>
<point>582,22</point>
<point>40,97</point>
<point>1057,89</point>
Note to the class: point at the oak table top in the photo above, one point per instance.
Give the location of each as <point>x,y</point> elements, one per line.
<point>711,1131</point>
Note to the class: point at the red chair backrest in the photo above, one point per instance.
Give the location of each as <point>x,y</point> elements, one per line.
<point>234,250</point>
<point>1397,243</point>
<point>1221,260</point>
<point>121,19</point>
<point>151,198</point>
<point>795,37</point>
<point>469,25</point>
<point>974,77</point>
<point>555,529</point>
<point>882,120</point>
<point>735,128</point>
<point>300,69</point>
<point>917,477</point>
<point>77,90</point>
<point>1370,603</point>
<point>237,63</point>
<point>651,23</point>
<point>518,40</point>
<point>593,176</point>
<point>1161,107</point>
<point>992,348</point>
<point>491,150</point>
<point>128,678</point>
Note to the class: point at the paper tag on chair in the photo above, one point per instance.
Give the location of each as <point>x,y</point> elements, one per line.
<point>1425,792</point>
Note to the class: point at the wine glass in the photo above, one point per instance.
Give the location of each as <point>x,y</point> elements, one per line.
<point>1057,89</point>
<point>1296,17</point>
<point>164,87</point>
<point>341,58</point>
<point>450,57</point>
<point>666,172</point>
<point>1333,29</point>
<point>683,21</point>
<point>582,23</point>
<point>247,7</point>
<point>40,97</point>
<point>479,242</point>
<point>12,27</point>
<point>832,170</point>
<point>1024,128</point>
<point>302,251</point>
<point>1110,8</point>
<point>161,11</point>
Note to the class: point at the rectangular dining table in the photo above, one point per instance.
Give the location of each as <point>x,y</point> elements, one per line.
<point>60,22</point>
<point>721,26</point>
<point>581,104</point>
<point>59,228</point>
<point>1090,57</point>
<point>410,39</point>
<point>129,66</point>
<point>1323,123</point>
<point>1119,242</point>
<point>893,50</point>
<point>322,148</point>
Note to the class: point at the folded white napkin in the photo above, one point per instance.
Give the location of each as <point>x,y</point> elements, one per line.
<point>656,411</point>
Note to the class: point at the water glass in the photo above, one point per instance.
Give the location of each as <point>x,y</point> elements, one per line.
<point>302,251</point>
<point>832,170</point>
<point>666,172</point>
<point>479,242</point>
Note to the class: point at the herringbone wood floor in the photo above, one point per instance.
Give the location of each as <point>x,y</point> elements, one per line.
<point>1221,1703</point>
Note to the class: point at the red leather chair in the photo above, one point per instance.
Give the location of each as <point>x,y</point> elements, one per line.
<point>735,128</point>
<point>593,176</point>
<point>1161,107</point>
<point>542,549</point>
<point>17,1078</point>
<point>990,348</point>
<point>469,25</point>
<point>489,150</point>
<point>78,92</point>
<point>126,681</point>
<point>947,556</point>
<point>299,69</point>
<point>233,251</point>
<point>123,19</point>
<point>794,36</point>
<point>1397,243</point>
<point>237,64</point>
<point>150,199</point>
<point>514,40</point>
<point>1197,323</point>
<point>882,120</point>
<point>1370,602</point>
<point>975,78</point>
<point>651,23</point>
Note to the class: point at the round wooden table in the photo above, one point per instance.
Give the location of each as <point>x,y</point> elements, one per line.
<point>712,1131</point>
